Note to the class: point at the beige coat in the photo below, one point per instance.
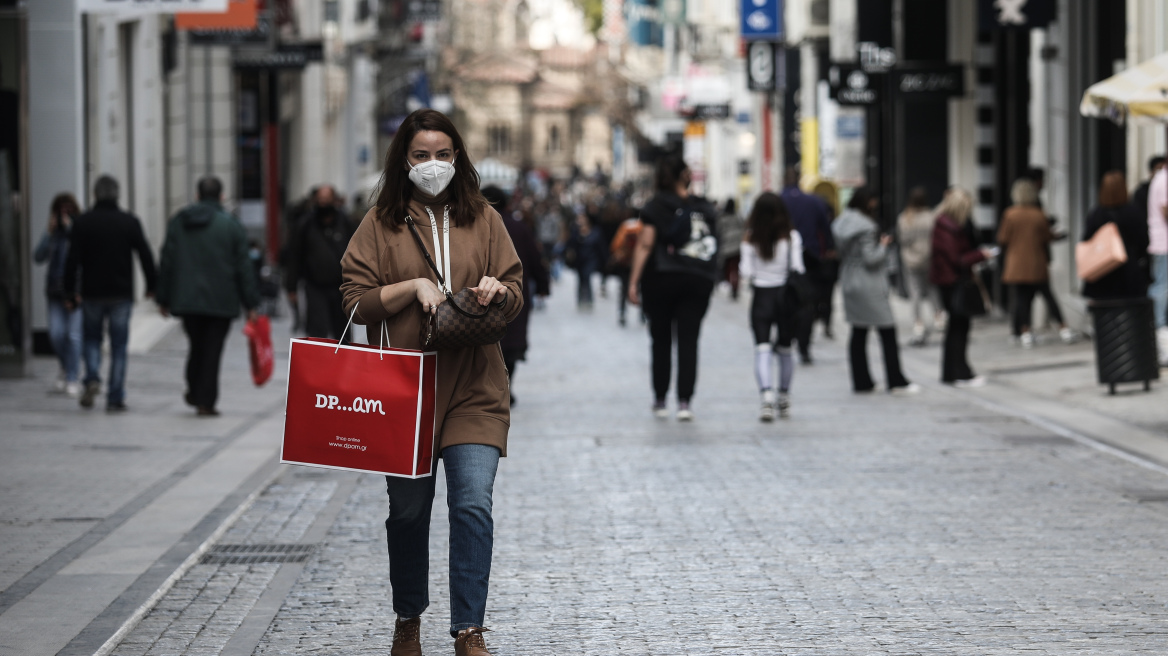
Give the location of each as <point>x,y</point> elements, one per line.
<point>1024,234</point>
<point>473,404</point>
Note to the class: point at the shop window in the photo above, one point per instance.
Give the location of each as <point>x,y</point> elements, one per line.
<point>498,140</point>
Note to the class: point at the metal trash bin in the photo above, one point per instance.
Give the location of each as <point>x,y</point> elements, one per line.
<point>1125,342</point>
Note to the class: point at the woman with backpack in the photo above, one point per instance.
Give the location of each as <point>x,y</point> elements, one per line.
<point>770,252</point>
<point>674,270</point>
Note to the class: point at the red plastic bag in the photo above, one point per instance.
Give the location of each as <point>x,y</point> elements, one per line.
<point>259,348</point>
<point>360,408</point>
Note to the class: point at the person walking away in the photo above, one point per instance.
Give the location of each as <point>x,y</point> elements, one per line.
<point>914,227</point>
<point>951,270</point>
<point>204,275</point>
<point>428,177</point>
<point>101,255</point>
<point>812,218</point>
<point>588,244</point>
<point>314,258</point>
<point>730,232</point>
<point>772,249</point>
<point>864,284</point>
<point>623,245</point>
<point>514,343</point>
<point>674,270</point>
<point>1130,279</point>
<point>1054,313</point>
<point>1158,252</point>
<point>64,323</point>
<point>1024,234</point>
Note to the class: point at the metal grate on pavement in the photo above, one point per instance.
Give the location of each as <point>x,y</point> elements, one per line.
<point>251,554</point>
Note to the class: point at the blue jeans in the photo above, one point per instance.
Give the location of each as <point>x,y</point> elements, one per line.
<point>65,336</point>
<point>1159,289</point>
<point>470,479</point>
<point>96,313</point>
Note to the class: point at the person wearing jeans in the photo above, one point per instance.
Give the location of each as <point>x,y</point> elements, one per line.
<point>429,180</point>
<point>1158,253</point>
<point>64,322</point>
<point>97,315</point>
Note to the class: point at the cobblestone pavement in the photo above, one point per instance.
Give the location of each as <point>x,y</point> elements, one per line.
<point>862,525</point>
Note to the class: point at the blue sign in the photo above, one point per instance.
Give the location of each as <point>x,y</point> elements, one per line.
<point>762,19</point>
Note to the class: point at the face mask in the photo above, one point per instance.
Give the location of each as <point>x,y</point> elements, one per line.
<point>432,177</point>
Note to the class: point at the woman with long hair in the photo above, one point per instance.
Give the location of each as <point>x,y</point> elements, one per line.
<point>772,249</point>
<point>1025,234</point>
<point>429,177</point>
<point>953,257</point>
<point>64,322</point>
<point>674,270</point>
<point>864,285</point>
<point>1129,280</point>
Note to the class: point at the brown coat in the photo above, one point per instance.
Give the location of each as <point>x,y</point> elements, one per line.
<point>1024,234</point>
<point>473,405</point>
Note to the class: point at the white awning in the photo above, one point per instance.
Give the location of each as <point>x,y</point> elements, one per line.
<point>1139,94</point>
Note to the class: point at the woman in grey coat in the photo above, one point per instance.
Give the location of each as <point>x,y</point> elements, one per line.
<point>864,284</point>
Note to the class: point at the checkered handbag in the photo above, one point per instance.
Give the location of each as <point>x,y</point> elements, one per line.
<point>460,322</point>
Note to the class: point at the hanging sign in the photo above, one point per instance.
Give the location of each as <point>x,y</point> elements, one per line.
<point>1003,14</point>
<point>929,82</point>
<point>150,6</point>
<point>851,85</point>
<point>762,19</point>
<point>761,66</point>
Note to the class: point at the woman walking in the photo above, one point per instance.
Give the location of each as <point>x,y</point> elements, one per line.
<point>429,177</point>
<point>1025,234</point>
<point>64,323</point>
<point>771,251</point>
<point>674,269</point>
<point>914,229</point>
<point>952,272</point>
<point>1130,279</point>
<point>865,291</point>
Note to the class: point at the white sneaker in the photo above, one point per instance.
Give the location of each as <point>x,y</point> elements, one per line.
<point>1068,336</point>
<point>73,389</point>
<point>684,413</point>
<point>906,390</point>
<point>767,412</point>
<point>784,405</point>
<point>660,411</point>
<point>59,385</point>
<point>1162,345</point>
<point>976,381</point>
<point>1027,340</point>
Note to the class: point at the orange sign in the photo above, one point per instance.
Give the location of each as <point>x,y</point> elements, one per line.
<point>240,15</point>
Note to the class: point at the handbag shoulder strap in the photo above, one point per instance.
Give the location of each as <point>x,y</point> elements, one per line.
<point>425,253</point>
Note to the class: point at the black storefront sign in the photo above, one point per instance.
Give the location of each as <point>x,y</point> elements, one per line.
<point>929,82</point>
<point>708,112</point>
<point>291,55</point>
<point>851,85</point>
<point>234,37</point>
<point>1004,14</point>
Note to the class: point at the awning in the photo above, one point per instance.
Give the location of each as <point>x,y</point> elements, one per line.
<point>1139,94</point>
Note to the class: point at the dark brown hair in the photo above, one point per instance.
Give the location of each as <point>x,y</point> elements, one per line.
<point>1113,189</point>
<point>918,199</point>
<point>768,223</point>
<point>466,201</point>
<point>65,202</point>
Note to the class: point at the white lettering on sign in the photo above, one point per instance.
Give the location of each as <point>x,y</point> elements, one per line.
<point>366,406</point>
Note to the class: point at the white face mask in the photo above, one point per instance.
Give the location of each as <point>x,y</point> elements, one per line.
<point>432,176</point>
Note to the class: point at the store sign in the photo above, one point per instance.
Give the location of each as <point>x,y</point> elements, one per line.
<point>937,82</point>
<point>150,6</point>
<point>296,55</point>
<point>1002,14</point>
<point>851,85</point>
<point>707,112</point>
<point>424,11</point>
<point>762,19</point>
<point>761,66</point>
<point>240,16</point>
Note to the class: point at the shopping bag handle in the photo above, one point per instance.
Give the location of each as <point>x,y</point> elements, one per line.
<point>383,341</point>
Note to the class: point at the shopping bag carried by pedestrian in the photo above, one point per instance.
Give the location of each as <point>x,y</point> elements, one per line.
<point>1101,254</point>
<point>360,408</point>
<point>259,348</point>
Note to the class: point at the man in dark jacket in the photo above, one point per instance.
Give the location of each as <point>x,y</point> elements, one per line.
<point>101,254</point>
<point>205,274</point>
<point>811,216</point>
<point>314,256</point>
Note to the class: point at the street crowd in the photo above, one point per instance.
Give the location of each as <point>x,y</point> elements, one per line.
<point>668,247</point>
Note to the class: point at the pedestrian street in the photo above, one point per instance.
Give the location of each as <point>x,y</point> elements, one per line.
<point>864,524</point>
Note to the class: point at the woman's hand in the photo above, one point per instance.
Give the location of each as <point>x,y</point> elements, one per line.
<point>488,289</point>
<point>885,240</point>
<point>428,294</point>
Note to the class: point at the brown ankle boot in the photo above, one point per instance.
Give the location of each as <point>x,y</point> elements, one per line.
<point>407,639</point>
<point>470,642</point>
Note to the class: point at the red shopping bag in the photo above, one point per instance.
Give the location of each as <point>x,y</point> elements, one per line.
<point>360,408</point>
<point>259,348</point>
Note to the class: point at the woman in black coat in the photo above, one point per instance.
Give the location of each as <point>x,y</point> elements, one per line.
<point>1130,280</point>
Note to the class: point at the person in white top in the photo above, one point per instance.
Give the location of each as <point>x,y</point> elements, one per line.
<point>771,250</point>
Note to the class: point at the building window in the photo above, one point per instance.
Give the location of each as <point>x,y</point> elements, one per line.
<point>498,140</point>
<point>554,144</point>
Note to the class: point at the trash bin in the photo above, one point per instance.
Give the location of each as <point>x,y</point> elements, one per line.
<point>1125,342</point>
